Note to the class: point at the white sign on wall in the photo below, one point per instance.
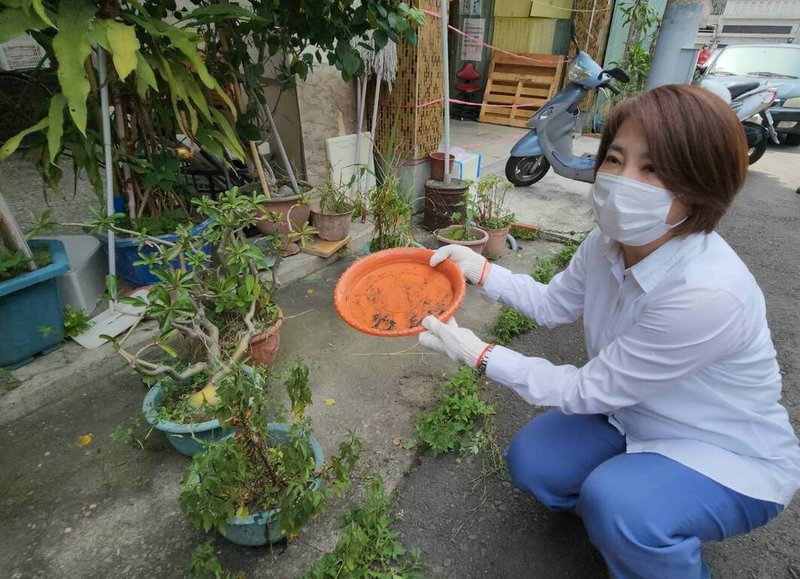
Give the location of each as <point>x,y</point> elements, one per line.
<point>472,49</point>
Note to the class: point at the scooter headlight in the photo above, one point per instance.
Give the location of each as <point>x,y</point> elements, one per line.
<point>577,73</point>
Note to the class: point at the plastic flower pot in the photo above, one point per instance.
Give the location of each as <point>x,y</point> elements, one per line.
<point>476,245</point>
<point>332,226</point>
<point>29,303</point>
<point>389,292</point>
<point>129,248</point>
<point>496,244</point>
<point>437,165</point>
<point>188,439</point>
<point>261,528</point>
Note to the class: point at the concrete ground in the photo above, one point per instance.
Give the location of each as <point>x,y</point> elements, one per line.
<point>106,509</point>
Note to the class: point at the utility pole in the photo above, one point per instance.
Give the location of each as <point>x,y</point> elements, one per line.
<point>675,56</point>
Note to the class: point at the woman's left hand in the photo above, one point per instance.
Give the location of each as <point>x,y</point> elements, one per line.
<point>459,344</point>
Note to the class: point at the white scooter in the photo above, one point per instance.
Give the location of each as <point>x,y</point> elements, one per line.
<point>750,101</point>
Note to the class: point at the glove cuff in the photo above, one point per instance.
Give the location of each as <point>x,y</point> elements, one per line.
<point>474,269</point>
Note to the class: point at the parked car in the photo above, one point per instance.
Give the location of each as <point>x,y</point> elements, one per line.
<point>776,65</point>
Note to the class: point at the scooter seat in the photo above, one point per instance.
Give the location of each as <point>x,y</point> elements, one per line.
<point>739,88</point>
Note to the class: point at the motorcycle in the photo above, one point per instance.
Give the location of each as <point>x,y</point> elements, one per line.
<point>751,102</point>
<point>549,142</point>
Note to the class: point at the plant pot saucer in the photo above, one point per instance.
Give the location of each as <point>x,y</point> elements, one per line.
<point>389,292</point>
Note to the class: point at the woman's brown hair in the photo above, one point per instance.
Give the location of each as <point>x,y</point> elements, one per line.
<point>697,146</point>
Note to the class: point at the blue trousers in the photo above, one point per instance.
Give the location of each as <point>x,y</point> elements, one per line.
<point>646,513</point>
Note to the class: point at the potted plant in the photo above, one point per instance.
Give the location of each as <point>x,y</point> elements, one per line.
<point>390,206</point>
<point>31,316</point>
<point>242,42</point>
<point>442,201</point>
<point>490,213</point>
<point>464,232</point>
<point>159,87</point>
<point>263,482</point>
<point>333,212</point>
<point>223,309</point>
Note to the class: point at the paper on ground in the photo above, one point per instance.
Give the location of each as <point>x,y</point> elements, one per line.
<point>112,322</point>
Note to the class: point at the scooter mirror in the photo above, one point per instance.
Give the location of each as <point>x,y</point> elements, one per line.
<point>618,74</point>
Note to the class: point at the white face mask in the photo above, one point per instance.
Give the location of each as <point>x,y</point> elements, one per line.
<point>629,211</point>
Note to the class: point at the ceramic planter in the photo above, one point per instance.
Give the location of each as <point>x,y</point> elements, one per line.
<point>496,244</point>
<point>261,528</point>
<point>437,165</point>
<point>29,302</point>
<point>127,250</point>
<point>476,245</point>
<point>265,346</point>
<point>441,201</point>
<point>188,439</point>
<point>332,226</point>
<point>288,208</point>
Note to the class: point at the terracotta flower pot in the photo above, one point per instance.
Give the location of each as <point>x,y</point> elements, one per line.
<point>288,208</point>
<point>476,245</point>
<point>496,245</point>
<point>264,347</point>
<point>437,165</point>
<point>332,226</point>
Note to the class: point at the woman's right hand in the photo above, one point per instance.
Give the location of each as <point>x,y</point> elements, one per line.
<point>470,263</point>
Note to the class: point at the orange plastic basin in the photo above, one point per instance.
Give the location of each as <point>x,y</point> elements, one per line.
<point>389,292</point>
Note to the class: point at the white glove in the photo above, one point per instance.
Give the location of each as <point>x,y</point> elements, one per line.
<point>459,344</point>
<point>468,261</point>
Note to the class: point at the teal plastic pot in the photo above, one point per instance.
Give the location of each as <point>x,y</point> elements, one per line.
<point>260,529</point>
<point>30,302</point>
<point>188,439</point>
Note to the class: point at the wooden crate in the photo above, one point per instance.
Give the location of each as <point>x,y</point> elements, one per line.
<point>525,85</point>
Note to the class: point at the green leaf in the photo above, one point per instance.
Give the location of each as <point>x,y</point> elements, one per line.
<point>16,21</point>
<point>55,129</point>
<point>38,7</point>
<point>12,144</point>
<point>145,77</point>
<point>99,34</point>
<point>124,47</point>
<point>231,141</point>
<point>111,286</point>
<point>187,44</point>
<point>71,47</point>
<point>172,352</point>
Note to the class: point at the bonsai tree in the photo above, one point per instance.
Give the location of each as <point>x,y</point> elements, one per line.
<point>219,307</point>
<point>159,88</point>
<point>489,203</point>
<point>259,468</point>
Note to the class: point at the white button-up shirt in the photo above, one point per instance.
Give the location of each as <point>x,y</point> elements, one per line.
<point>681,358</point>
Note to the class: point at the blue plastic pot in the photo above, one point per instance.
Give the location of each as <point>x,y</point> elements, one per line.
<point>128,249</point>
<point>29,303</point>
<point>188,439</point>
<point>262,528</point>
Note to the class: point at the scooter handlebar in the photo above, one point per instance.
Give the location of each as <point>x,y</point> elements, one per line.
<point>612,88</point>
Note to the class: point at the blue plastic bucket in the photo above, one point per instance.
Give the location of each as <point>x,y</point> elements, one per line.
<point>128,249</point>
<point>31,318</point>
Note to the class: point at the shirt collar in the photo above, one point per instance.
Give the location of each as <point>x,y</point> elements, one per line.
<point>655,266</point>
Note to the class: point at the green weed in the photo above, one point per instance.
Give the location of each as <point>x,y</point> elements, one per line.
<point>205,563</point>
<point>510,323</point>
<point>8,381</point>
<point>450,426</point>
<point>76,322</point>
<point>524,234</point>
<point>367,546</point>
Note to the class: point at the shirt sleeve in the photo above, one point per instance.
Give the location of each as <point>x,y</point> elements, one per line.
<point>674,338</point>
<point>559,302</point>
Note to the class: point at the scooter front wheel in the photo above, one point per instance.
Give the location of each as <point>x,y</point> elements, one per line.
<point>524,171</point>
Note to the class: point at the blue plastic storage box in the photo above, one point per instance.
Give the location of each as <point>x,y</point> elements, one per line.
<point>128,249</point>
<point>31,318</point>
